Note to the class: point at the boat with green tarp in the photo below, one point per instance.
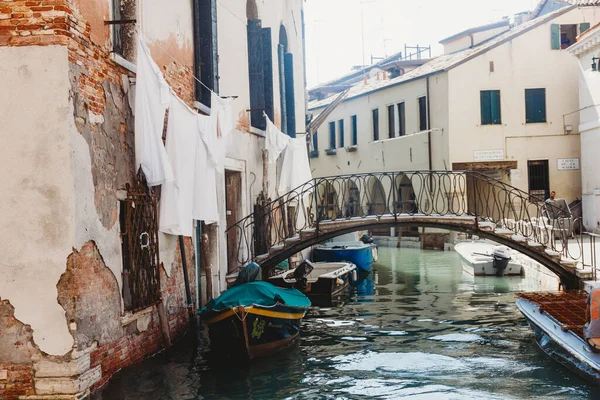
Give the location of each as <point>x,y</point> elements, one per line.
<point>254,319</point>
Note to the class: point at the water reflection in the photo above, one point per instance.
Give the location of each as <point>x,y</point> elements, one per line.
<point>419,327</point>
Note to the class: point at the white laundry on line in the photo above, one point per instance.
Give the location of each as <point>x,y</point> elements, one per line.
<point>295,170</point>
<point>275,141</point>
<point>151,101</point>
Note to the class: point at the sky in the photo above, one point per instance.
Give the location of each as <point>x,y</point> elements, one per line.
<point>334,28</point>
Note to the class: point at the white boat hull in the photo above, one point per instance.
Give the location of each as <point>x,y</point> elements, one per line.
<point>478,265</point>
<point>565,347</point>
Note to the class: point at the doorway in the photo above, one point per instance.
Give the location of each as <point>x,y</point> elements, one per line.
<point>233,202</point>
<point>538,175</point>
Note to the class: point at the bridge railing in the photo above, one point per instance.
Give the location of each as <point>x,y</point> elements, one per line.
<point>494,206</point>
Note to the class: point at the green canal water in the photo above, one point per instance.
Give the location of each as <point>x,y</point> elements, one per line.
<point>418,328</point>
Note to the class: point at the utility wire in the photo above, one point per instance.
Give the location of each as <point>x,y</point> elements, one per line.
<point>232,13</point>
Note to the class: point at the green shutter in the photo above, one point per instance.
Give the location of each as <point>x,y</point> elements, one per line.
<point>495,107</point>
<point>584,26</point>
<point>535,105</point>
<point>486,115</point>
<point>555,36</point>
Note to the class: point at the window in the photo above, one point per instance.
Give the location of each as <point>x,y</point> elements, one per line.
<point>354,130</point>
<point>341,129</point>
<point>205,52</point>
<point>316,142</point>
<point>391,122</point>
<point>375,124</point>
<point>490,107</point>
<point>124,33</point>
<point>535,105</point>
<point>332,135</point>
<point>563,36</point>
<point>539,180</point>
<point>401,119</point>
<point>422,113</point>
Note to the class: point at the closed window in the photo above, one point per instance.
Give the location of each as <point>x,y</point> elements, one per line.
<point>332,135</point>
<point>391,122</point>
<point>490,107</point>
<point>124,28</point>
<point>535,105</point>
<point>401,119</point>
<point>316,142</point>
<point>341,129</point>
<point>354,130</point>
<point>375,124</point>
<point>422,113</point>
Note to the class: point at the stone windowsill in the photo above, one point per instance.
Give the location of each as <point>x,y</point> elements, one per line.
<point>132,317</point>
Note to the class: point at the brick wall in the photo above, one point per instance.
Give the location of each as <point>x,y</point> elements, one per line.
<point>18,382</point>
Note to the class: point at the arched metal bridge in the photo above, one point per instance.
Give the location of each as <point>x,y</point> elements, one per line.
<point>461,201</point>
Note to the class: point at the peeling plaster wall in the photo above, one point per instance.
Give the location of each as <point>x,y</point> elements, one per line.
<point>36,190</point>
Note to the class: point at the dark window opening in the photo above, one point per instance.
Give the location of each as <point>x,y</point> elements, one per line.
<point>341,129</point>
<point>422,113</point>
<point>391,122</point>
<point>205,50</point>
<point>401,119</point>
<point>539,179</point>
<point>535,106</point>
<point>124,33</point>
<point>563,36</point>
<point>375,113</point>
<point>490,107</point>
<point>332,135</point>
<point>354,131</point>
<point>316,142</point>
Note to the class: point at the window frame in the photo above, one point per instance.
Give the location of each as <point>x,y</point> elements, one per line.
<point>354,124</point>
<point>341,132</point>
<point>375,123</point>
<point>401,107</point>
<point>422,109</point>
<point>391,111</point>
<point>332,135</point>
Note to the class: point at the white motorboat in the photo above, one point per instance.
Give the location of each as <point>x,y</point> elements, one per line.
<point>487,259</point>
<point>317,279</point>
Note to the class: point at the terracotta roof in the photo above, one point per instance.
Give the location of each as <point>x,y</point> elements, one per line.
<point>481,28</point>
<point>584,2</point>
<point>443,63</point>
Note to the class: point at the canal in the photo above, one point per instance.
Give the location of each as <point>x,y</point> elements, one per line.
<point>418,327</point>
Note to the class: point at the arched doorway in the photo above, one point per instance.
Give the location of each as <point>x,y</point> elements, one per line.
<point>405,195</point>
<point>377,204</point>
<point>352,201</point>
<point>328,202</point>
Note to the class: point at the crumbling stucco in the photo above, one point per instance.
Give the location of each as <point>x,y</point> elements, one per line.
<point>89,293</point>
<point>16,338</point>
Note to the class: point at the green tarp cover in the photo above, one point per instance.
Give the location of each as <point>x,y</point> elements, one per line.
<point>257,293</point>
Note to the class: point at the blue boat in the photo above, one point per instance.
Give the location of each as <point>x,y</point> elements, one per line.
<point>254,319</point>
<point>358,253</point>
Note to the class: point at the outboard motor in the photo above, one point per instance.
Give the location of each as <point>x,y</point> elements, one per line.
<point>366,239</point>
<point>501,256</point>
<point>301,274</point>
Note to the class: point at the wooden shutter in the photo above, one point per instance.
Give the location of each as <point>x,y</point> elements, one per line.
<point>401,119</point>
<point>391,122</point>
<point>256,72</point>
<point>316,141</point>
<point>555,36</point>
<point>341,129</point>
<point>376,124</point>
<point>354,131</point>
<point>495,107</point>
<point>267,47</point>
<point>423,113</point>
<point>290,98</point>
<point>584,26</point>
<point>206,49</point>
<point>282,102</point>
<point>535,105</point>
<point>486,112</point>
<point>332,135</point>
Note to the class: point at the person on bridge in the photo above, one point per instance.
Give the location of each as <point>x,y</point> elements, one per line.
<point>552,196</point>
<point>591,330</point>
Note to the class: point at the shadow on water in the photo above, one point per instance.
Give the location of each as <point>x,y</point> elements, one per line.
<point>417,327</point>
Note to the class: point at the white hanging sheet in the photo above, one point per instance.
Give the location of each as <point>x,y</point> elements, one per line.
<point>205,185</point>
<point>177,197</point>
<point>217,137</point>
<point>295,170</point>
<point>276,141</point>
<point>151,101</point>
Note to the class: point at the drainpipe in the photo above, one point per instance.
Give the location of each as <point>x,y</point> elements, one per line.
<point>429,127</point>
<point>199,262</point>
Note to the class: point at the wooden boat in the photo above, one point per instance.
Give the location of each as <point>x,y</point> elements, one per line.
<point>322,279</point>
<point>557,321</point>
<point>487,259</point>
<point>254,320</point>
<point>358,253</point>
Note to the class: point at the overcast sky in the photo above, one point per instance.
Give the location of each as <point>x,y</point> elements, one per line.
<point>334,36</point>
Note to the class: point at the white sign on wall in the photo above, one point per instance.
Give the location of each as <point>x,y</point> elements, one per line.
<point>568,164</point>
<point>488,155</point>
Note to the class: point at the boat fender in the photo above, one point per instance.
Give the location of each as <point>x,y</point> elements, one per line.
<point>354,275</point>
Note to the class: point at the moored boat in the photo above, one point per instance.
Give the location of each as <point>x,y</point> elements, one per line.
<point>254,319</point>
<point>360,254</point>
<point>317,279</point>
<point>557,321</point>
<point>487,259</point>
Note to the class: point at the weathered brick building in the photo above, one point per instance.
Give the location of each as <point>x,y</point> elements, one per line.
<point>87,285</point>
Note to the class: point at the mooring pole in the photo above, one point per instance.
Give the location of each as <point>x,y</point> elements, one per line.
<point>186,280</point>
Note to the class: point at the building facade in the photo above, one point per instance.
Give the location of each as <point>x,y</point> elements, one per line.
<point>505,105</point>
<point>87,284</point>
<point>587,50</point>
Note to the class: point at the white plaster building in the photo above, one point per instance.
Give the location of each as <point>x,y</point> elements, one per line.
<point>503,101</point>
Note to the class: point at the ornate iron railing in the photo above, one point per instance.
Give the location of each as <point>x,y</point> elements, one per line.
<point>493,204</point>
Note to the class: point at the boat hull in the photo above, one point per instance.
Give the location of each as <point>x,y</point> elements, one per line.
<point>328,282</point>
<point>253,332</point>
<point>362,257</point>
<point>565,347</point>
<point>478,265</point>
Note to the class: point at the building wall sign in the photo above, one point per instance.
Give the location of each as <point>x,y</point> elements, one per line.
<point>488,155</point>
<point>568,164</point>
